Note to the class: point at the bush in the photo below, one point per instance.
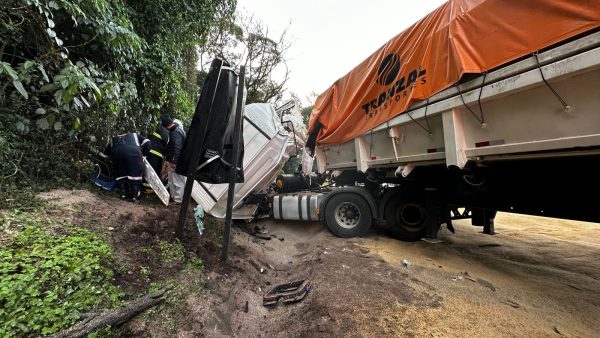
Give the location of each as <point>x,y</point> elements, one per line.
<point>47,280</point>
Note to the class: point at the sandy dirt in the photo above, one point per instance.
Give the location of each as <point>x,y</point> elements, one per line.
<point>536,277</point>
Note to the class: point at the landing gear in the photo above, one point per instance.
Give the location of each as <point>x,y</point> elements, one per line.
<point>484,218</point>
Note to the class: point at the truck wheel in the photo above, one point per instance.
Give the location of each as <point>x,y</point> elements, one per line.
<point>406,218</point>
<point>348,215</point>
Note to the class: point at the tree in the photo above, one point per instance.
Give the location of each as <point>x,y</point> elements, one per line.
<point>246,41</point>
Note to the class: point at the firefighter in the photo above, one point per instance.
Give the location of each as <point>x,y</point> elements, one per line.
<point>158,146</point>
<point>174,147</point>
<point>126,152</point>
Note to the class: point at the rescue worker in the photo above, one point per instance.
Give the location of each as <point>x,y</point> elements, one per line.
<point>126,152</point>
<point>158,146</point>
<point>174,147</point>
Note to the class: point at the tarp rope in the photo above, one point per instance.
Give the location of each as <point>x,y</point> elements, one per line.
<point>562,101</point>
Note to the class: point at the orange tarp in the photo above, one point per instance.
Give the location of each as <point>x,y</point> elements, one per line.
<point>461,36</point>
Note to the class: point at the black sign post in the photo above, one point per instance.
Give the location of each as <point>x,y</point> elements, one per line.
<point>194,160</point>
<point>237,128</point>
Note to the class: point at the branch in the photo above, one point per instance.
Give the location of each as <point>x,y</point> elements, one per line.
<point>113,317</point>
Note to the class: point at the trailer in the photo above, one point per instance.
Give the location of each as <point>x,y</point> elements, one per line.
<point>502,141</point>
<point>521,137</point>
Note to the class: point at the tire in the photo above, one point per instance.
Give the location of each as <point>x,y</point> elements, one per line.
<point>348,215</point>
<point>405,217</point>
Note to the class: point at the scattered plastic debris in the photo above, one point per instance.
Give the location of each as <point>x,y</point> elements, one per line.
<point>486,284</point>
<point>458,277</point>
<point>326,252</point>
<point>260,233</point>
<point>345,266</point>
<point>406,263</point>
<point>198,216</point>
<point>557,330</point>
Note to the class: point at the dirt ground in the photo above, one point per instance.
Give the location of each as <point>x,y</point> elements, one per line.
<point>537,277</point>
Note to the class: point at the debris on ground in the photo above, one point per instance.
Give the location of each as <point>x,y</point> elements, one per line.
<point>432,240</point>
<point>557,330</point>
<point>287,293</point>
<point>489,245</point>
<point>458,277</point>
<point>260,233</point>
<point>468,277</point>
<point>345,266</point>
<point>512,303</point>
<point>406,263</point>
<point>257,266</point>
<point>198,216</point>
<point>486,284</point>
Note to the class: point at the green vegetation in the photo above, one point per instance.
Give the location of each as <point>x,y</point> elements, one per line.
<point>47,280</point>
<point>73,73</point>
<point>172,252</point>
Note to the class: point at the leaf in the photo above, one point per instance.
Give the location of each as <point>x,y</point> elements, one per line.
<point>80,64</point>
<point>20,126</point>
<point>19,86</point>
<point>40,111</point>
<point>51,118</point>
<point>59,42</point>
<point>43,71</point>
<point>51,33</point>
<point>9,70</point>
<point>85,101</point>
<point>53,5</point>
<point>28,64</point>
<point>50,23</point>
<point>48,87</point>
<point>77,123</point>
<point>58,125</point>
<point>42,123</point>
<point>63,55</point>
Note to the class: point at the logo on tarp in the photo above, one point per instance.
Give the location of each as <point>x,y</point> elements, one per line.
<point>398,86</point>
<point>388,69</point>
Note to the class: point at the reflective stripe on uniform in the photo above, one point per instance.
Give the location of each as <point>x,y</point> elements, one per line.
<point>133,178</point>
<point>157,135</point>
<point>155,152</point>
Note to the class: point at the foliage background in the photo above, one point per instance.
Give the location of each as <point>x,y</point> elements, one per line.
<point>75,72</point>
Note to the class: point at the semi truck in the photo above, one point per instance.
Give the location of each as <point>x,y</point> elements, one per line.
<point>514,130</point>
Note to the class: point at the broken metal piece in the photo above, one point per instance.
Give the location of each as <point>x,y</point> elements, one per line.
<point>288,292</point>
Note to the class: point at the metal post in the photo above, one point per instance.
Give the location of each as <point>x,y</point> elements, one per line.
<point>234,163</point>
<point>194,160</point>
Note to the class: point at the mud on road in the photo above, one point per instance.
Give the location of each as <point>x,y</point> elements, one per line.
<point>536,277</point>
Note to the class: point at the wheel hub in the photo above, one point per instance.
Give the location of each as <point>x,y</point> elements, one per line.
<point>411,214</point>
<point>347,215</point>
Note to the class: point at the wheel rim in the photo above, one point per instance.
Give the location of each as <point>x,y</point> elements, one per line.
<point>347,215</point>
<point>411,216</point>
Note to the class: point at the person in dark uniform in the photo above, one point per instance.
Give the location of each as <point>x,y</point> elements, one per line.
<point>174,147</point>
<point>156,155</point>
<point>126,152</point>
